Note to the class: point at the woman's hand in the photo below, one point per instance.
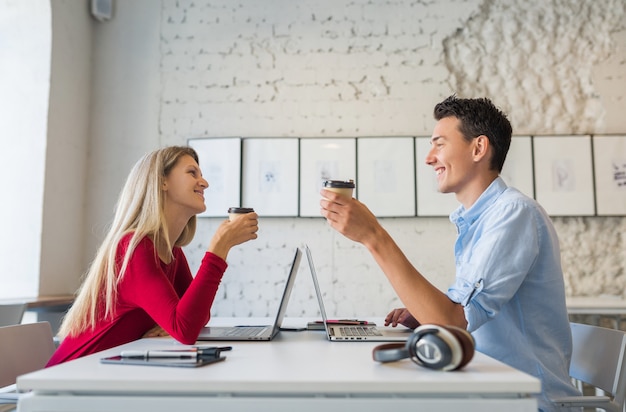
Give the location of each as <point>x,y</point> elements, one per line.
<point>401,316</point>
<point>234,232</point>
<point>155,332</point>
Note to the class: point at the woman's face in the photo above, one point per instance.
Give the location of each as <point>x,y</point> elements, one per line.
<point>184,187</point>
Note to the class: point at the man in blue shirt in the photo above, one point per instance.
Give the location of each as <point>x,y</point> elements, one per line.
<point>508,292</point>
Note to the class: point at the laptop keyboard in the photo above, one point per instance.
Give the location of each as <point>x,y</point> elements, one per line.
<point>246,331</point>
<point>359,331</point>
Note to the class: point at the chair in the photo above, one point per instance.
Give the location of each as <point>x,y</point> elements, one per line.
<point>11,313</point>
<point>598,360</point>
<point>23,348</point>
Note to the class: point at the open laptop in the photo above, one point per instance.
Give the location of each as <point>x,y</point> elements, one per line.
<point>267,332</point>
<point>352,333</point>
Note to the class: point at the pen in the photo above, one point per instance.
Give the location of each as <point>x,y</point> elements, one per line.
<point>193,353</point>
<point>151,354</point>
<point>345,321</point>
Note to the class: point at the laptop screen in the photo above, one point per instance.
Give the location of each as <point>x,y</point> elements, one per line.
<point>291,279</point>
<point>316,284</point>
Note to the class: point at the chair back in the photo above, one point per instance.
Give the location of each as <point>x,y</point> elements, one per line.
<point>598,360</point>
<point>24,348</point>
<point>11,313</point>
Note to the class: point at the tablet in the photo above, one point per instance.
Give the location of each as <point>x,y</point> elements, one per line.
<point>175,362</point>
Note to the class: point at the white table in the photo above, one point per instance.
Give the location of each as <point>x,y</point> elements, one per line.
<point>298,371</point>
<point>613,307</point>
<point>49,308</point>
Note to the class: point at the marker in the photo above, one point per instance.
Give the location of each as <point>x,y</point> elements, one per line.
<point>193,353</point>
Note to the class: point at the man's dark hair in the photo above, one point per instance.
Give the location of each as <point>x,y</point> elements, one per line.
<point>479,117</point>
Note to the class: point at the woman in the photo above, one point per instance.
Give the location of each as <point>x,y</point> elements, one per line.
<point>140,284</point>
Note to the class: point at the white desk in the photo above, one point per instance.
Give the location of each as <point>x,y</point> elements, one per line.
<point>613,307</point>
<point>49,308</point>
<point>298,371</point>
<point>603,305</point>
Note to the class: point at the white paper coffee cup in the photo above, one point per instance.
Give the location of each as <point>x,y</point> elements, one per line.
<point>342,187</point>
<point>235,212</point>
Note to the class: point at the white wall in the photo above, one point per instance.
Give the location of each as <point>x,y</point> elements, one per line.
<point>45,79</point>
<point>363,68</point>
<point>125,107</point>
<point>25,37</point>
<point>164,72</point>
<point>62,245</point>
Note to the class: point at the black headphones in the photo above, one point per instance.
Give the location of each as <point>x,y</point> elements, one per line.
<point>445,348</point>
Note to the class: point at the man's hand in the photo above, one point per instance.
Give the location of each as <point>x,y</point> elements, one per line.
<point>401,316</point>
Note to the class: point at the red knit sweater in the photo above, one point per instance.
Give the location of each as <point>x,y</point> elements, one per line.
<point>151,292</point>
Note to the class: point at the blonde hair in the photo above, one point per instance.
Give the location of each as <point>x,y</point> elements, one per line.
<point>139,210</point>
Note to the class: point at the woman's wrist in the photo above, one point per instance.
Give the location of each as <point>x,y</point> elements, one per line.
<point>218,250</point>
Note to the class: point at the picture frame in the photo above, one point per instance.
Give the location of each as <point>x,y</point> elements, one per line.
<point>386,175</point>
<point>518,170</point>
<point>220,162</point>
<point>610,174</point>
<point>430,202</point>
<point>270,176</point>
<point>324,159</point>
<point>563,178</point>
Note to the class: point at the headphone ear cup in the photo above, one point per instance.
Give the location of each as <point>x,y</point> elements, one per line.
<point>440,347</point>
<point>428,348</point>
<point>467,344</point>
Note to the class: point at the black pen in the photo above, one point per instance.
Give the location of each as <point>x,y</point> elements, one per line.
<point>193,353</point>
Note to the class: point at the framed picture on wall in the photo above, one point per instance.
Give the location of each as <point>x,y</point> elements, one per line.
<point>270,176</point>
<point>386,175</point>
<point>324,159</point>
<point>563,175</point>
<point>518,166</point>
<point>430,202</point>
<point>610,174</point>
<point>220,162</point>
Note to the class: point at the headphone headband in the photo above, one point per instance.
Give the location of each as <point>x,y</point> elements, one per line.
<point>390,352</point>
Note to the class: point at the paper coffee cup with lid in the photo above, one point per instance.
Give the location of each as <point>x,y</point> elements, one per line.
<point>343,187</point>
<point>235,212</point>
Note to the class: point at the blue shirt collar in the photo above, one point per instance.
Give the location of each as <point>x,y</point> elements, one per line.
<point>468,216</point>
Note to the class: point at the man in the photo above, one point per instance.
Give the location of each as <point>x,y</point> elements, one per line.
<point>509,290</point>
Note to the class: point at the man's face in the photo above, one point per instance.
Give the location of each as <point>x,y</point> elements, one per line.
<point>451,157</point>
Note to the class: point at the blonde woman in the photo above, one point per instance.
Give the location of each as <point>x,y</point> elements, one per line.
<point>139,283</point>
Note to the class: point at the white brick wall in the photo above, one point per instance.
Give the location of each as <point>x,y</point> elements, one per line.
<point>361,68</point>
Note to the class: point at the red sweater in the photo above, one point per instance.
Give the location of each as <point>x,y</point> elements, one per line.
<point>151,292</point>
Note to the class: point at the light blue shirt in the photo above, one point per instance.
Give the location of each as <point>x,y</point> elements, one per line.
<point>510,283</point>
